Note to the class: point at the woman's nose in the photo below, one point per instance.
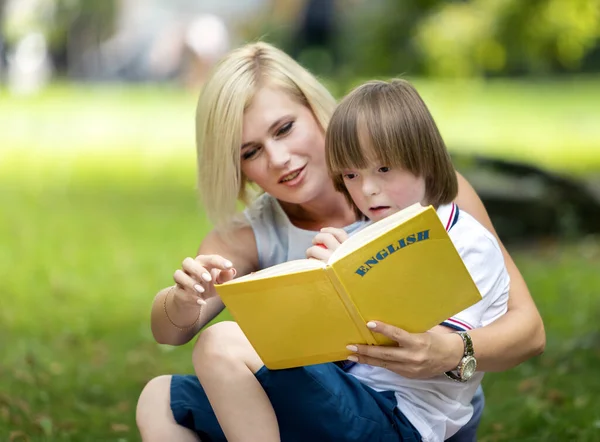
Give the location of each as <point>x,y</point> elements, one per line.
<point>279,156</point>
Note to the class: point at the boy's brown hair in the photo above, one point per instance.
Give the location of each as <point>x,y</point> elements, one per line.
<point>401,133</point>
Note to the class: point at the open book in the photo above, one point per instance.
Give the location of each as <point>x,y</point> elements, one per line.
<point>403,270</point>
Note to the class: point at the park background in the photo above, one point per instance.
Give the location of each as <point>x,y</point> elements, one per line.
<point>98,195</point>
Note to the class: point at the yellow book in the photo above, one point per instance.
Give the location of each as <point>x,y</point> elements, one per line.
<point>403,270</point>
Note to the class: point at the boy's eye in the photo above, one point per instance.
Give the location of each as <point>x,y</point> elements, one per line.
<point>349,176</point>
<point>284,129</point>
<point>249,153</point>
<point>384,169</point>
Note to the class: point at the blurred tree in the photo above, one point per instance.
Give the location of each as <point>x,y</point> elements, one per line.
<point>465,37</point>
<point>507,36</point>
<point>77,27</point>
<point>376,37</point>
<point>70,27</point>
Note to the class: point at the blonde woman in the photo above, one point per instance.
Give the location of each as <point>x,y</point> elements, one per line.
<point>261,119</point>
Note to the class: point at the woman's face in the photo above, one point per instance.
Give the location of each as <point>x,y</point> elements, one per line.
<point>283,148</point>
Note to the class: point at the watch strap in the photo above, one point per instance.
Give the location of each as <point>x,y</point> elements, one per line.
<point>455,374</point>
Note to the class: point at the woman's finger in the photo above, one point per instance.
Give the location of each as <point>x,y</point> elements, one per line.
<point>194,269</point>
<point>225,275</point>
<point>214,261</point>
<point>397,361</point>
<point>402,337</point>
<point>186,282</point>
<point>189,285</point>
<point>381,352</point>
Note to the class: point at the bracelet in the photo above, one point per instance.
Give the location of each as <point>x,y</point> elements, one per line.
<point>192,325</point>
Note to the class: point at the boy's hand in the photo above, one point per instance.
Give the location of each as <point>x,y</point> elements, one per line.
<point>197,276</point>
<point>325,242</point>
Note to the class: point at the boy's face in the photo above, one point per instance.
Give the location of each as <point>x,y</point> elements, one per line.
<point>380,191</point>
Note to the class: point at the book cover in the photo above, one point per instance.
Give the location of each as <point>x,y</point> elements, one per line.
<point>403,270</point>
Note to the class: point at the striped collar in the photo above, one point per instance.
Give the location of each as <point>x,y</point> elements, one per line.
<point>448,214</point>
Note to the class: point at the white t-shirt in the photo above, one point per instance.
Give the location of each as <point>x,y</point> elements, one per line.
<point>439,407</point>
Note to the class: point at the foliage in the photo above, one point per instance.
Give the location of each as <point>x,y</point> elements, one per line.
<point>463,38</point>
<point>500,36</point>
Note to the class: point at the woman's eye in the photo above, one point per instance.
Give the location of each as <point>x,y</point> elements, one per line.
<point>384,169</point>
<point>284,129</point>
<point>249,153</point>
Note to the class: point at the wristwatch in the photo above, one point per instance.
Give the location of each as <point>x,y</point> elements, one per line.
<point>468,364</point>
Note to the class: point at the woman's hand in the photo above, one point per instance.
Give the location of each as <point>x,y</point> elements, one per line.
<point>325,242</point>
<point>197,276</point>
<point>416,355</point>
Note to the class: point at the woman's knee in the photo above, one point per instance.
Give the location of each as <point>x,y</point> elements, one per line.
<point>154,403</point>
<point>154,416</point>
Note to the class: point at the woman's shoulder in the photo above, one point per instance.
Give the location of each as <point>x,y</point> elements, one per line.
<point>264,207</point>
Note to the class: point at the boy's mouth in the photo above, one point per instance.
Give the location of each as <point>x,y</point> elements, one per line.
<point>378,208</point>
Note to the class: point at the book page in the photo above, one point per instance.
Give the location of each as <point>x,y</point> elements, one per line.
<point>374,230</point>
<point>297,265</point>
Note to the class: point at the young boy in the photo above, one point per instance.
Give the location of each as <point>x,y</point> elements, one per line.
<point>385,153</point>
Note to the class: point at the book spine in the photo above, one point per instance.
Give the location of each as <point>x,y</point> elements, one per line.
<point>350,307</point>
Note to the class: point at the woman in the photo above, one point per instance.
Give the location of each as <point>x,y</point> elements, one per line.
<point>260,111</point>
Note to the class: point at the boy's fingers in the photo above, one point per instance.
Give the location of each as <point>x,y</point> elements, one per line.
<point>318,252</point>
<point>339,234</point>
<point>327,239</point>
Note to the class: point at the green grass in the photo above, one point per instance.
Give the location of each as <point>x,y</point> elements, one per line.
<point>551,123</point>
<point>94,223</point>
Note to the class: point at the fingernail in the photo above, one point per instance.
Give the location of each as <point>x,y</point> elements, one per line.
<point>352,358</point>
<point>371,324</point>
<point>234,272</point>
<point>206,277</point>
<point>199,288</point>
<point>228,264</point>
<point>201,302</point>
<point>352,347</point>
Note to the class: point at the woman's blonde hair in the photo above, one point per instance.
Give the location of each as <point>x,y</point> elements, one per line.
<point>400,132</point>
<point>220,112</point>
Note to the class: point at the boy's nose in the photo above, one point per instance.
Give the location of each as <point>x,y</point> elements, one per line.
<point>369,187</point>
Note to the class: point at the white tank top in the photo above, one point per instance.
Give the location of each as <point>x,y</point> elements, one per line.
<point>277,239</point>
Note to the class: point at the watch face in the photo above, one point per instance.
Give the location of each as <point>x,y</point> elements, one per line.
<point>468,368</point>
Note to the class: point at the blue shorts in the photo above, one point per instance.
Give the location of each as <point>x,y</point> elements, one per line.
<point>317,402</point>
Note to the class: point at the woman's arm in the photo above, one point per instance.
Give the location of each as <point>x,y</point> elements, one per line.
<point>519,334</point>
<point>181,303</point>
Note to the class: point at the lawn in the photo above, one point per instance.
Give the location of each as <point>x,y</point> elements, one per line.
<point>99,208</point>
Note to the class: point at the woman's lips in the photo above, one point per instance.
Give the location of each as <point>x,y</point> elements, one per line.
<point>297,175</point>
